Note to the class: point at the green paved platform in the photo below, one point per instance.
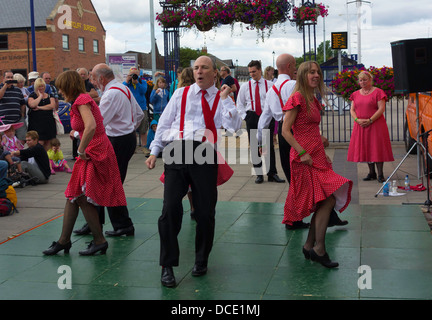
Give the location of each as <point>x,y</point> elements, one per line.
<point>254,257</point>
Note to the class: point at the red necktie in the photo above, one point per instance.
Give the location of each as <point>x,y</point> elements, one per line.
<point>208,117</point>
<point>257,100</point>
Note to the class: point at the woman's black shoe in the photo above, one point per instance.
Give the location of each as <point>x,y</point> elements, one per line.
<point>324,260</point>
<point>381,179</point>
<point>306,254</point>
<point>92,249</point>
<point>56,247</point>
<point>370,176</point>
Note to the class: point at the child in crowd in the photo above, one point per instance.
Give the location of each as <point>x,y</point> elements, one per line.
<point>10,143</point>
<point>151,133</point>
<point>56,158</point>
<point>159,98</point>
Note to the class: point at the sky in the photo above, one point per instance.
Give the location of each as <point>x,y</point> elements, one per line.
<point>128,27</point>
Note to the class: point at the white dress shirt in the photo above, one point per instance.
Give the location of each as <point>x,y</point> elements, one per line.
<point>272,107</point>
<point>120,116</point>
<point>244,102</point>
<point>168,129</point>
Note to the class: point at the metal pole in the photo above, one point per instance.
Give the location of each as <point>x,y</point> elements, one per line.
<point>152,34</point>
<point>33,35</point>
<point>359,3</point>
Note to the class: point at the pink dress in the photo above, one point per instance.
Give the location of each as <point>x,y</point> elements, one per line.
<point>370,144</point>
<point>99,177</point>
<point>311,184</point>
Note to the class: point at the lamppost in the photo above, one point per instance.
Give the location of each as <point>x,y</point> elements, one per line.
<point>33,32</point>
<point>273,53</point>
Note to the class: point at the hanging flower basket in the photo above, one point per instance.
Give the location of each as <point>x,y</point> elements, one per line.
<point>202,17</point>
<point>309,14</point>
<point>170,18</point>
<point>204,27</point>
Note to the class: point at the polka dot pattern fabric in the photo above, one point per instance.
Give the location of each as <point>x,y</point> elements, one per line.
<point>311,184</point>
<point>99,177</point>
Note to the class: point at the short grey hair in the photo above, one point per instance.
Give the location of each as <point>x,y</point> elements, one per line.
<point>104,72</point>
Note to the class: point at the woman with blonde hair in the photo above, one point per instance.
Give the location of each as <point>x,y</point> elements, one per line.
<point>315,187</point>
<point>370,139</point>
<point>95,179</point>
<point>40,114</point>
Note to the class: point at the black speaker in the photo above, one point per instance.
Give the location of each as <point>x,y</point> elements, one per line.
<point>412,65</point>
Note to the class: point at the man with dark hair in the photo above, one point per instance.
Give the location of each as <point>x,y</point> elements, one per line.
<point>226,78</point>
<point>250,103</point>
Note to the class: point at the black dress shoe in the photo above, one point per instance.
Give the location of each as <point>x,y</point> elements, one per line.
<point>83,231</point>
<point>275,178</point>
<point>370,176</point>
<point>129,231</point>
<point>56,247</point>
<point>199,270</point>
<point>324,260</point>
<point>259,179</point>
<point>167,277</point>
<point>334,220</point>
<point>381,179</point>
<point>93,248</point>
<point>297,225</point>
<point>306,253</point>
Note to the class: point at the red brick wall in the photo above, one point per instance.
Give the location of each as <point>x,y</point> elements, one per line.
<point>50,55</point>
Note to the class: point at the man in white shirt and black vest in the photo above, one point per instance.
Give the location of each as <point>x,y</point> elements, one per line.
<point>187,135</point>
<point>250,103</point>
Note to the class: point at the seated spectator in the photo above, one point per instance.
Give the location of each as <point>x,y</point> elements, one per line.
<point>10,143</point>
<point>56,158</point>
<point>34,159</point>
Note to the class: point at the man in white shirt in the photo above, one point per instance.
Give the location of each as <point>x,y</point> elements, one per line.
<point>275,100</point>
<point>193,113</point>
<point>250,103</point>
<point>121,114</point>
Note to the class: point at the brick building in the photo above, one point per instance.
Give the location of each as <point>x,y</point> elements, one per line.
<point>69,35</point>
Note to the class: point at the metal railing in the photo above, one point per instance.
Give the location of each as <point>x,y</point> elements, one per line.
<point>337,124</point>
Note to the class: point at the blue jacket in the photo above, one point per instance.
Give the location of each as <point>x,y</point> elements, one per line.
<point>139,93</point>
<point>159,103</point>
<point>151,134</point>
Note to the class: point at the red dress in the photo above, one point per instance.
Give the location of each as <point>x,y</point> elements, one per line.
<point>311,184</point>
<point>370,144</point>
<point>99,177</point>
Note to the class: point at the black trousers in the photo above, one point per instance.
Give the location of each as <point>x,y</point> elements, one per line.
<point>252,123</point>
<point>284,153</point>
<point>124,149</point>
<point>202,178</point>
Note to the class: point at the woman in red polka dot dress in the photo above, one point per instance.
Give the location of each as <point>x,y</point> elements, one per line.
<point>95,179</point>
<point>315,187</point>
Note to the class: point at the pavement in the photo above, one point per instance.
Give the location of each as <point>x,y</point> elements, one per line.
<point>254,256</point>
<point>38,204</point>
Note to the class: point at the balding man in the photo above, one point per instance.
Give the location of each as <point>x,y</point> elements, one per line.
<point>192,115</point>
<point>121,114</point>
<point>85,75</point>
<point>276,98</point>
